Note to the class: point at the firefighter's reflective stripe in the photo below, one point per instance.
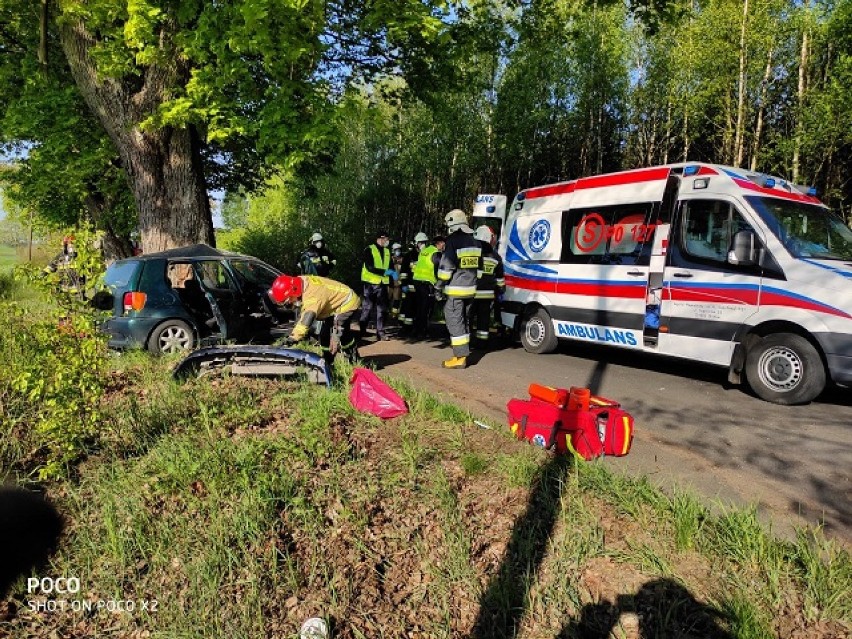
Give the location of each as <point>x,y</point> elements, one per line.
<point>460,340</point>
<point>380,261</point>
<point>444,275</point>
<point>482,335</point>
<point>485,295</point>
<point>424,270</point>
<point>460,291</point>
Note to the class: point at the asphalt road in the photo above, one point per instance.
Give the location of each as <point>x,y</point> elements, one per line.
<point>693,430</point>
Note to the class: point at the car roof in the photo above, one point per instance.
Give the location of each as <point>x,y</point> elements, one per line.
<point>192,251</point>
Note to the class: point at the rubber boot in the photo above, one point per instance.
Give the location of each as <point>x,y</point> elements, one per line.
<point>455,362</point>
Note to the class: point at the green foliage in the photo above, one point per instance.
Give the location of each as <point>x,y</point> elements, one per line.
<point>52,386</point>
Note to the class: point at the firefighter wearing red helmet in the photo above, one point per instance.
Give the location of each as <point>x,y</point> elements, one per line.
<point>322,298</point>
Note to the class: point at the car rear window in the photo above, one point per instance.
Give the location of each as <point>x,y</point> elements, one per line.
<point>119,274</point>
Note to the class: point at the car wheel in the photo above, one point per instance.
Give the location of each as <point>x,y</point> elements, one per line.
<point>172,336</point>
<point>537,334</point>
<point>785,368</point>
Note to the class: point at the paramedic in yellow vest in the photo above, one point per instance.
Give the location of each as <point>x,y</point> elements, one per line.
<point>457,281</point>
<point>425,275</point>
<point>376,272</point>
<point>322,299</point>
<point>490,283</point>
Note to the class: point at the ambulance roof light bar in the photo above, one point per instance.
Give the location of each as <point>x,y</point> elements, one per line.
<point>805,190</point>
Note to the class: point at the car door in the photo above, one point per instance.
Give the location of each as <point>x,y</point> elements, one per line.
<point>706,299</point>
<point>225,297</point>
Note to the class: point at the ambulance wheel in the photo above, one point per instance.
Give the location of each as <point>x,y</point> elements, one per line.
<point>172,336</point>
<point>785,368</point>
<point>537,334</point>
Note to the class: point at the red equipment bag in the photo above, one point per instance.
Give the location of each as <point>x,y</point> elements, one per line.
<point>534,420</point>
<point>579,433</point>
<point>370,394</point>
<point>616,430</point>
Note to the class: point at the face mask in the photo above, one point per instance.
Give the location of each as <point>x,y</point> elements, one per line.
<point>318,244</point>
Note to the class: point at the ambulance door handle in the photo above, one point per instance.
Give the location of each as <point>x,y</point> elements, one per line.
<point>682,274</point>
<point>636,273</point>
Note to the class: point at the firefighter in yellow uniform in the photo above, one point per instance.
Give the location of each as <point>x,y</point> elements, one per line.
<point>322,299</point>
<point>457,281</point>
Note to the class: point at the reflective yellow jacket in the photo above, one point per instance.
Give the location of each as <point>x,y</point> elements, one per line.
<point>322,298</point>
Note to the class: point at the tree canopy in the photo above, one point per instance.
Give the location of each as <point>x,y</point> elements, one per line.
<point>346,115</point>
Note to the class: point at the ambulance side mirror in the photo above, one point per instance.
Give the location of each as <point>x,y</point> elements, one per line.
<point>744,249</point>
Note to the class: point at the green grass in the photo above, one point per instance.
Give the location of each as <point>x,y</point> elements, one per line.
<point>245,506</point>
<point>8,257</point>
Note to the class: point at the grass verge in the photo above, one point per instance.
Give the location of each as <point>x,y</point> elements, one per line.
<point>242,507</point>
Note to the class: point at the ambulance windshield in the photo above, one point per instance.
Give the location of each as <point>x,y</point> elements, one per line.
<point>806,230</point>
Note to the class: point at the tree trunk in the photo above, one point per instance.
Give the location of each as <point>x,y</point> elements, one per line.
<point>739,133</point>
<point>164,167</point>
<point>758,129</point>
<point>803,64</point>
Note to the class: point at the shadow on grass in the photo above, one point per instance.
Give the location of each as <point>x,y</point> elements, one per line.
<point>29,530</point>
<point>662,608</point>
<point>502,606</point>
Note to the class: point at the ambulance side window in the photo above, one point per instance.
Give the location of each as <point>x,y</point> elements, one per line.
<point>707,229</point>
<point>702,236</point>
<point>620,234</point>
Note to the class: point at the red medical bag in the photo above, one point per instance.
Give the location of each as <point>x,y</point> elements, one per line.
<point>534,420</point>
<point>615,427</point>
<point>604,429</point>
<point>579,432</point>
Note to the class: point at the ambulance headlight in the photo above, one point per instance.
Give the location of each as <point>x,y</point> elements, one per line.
<point>700,183</point>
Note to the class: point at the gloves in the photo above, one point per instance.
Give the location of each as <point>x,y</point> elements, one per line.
<point>392,272</point>
<point>439,295</point>
<point>407,289</point>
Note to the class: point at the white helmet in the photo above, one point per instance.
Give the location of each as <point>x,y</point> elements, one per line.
<point>396,246</point>
<point>455,218</point>
<point>484,233</point>
<point>421,237</point>
<point>316,237</point>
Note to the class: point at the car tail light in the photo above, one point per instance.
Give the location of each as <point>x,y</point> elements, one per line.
<point>134,301</point>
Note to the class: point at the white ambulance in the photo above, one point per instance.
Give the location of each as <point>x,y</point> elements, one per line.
<point>703,262</point>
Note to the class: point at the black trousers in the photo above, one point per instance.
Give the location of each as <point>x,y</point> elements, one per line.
<point>375,296</point>
<point>424,296</point>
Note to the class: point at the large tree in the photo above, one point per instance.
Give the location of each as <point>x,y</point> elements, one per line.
<point>195,95</point>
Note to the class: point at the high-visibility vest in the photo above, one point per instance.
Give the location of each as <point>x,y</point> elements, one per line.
<point>379,262</point>
<point>424,270</point>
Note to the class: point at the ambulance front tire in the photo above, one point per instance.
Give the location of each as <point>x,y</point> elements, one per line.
<point>537,334</point>
<point>785,368</point>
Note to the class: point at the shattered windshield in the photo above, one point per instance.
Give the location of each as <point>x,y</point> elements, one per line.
<point>805,230</point>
